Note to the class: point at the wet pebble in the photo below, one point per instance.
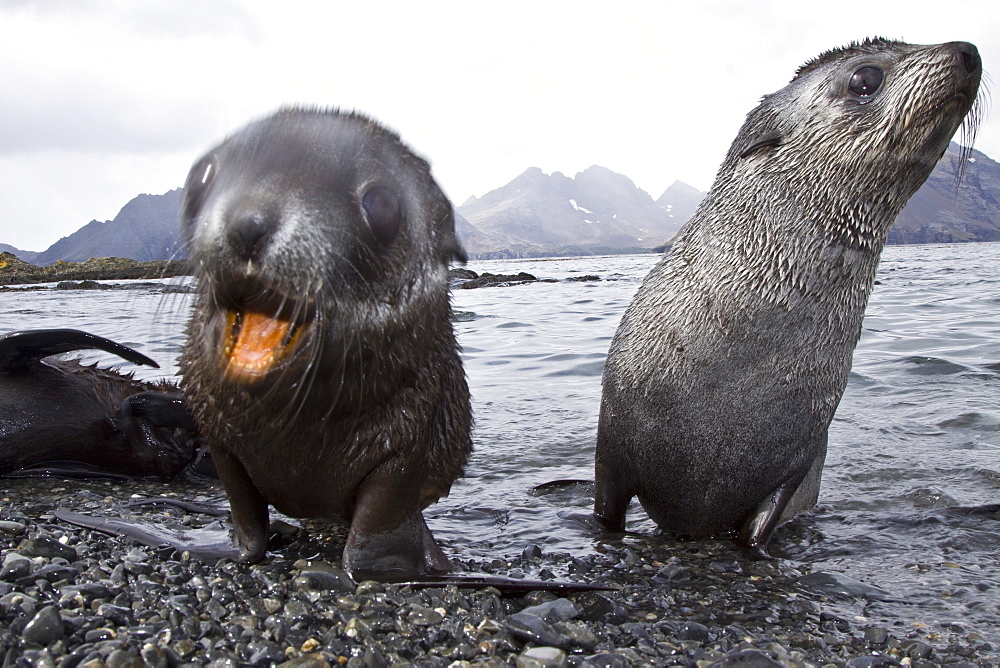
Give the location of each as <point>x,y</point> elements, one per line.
<point>542,657</point>
<point>45,627</point>
<point>15,566</point>
<point>532,628</point>
<point>47,547</point>
<point>12,528</point>
<point>559,609</point>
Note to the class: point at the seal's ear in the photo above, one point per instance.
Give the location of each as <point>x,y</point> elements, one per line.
<point>770,139</point>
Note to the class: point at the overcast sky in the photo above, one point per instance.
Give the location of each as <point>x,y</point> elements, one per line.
<point>101,100</point>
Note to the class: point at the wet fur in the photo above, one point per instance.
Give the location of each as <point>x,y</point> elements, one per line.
<point>369,421</point>
<point>727,367</point>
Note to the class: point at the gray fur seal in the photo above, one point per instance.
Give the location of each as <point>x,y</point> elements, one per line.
<point>66,418</point>
<point>727,367</point>
<point>321,364</point>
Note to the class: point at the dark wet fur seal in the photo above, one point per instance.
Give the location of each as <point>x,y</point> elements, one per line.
<point>727,367</point>
<point>321,363</point>
<point>80,420</point>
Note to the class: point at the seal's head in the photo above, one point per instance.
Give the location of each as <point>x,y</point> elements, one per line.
<point>853,120</point>
<point>311,220</point>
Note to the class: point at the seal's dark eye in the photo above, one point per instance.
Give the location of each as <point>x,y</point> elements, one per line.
<point>382,212</point>
<point>199,181</point>
<point>866,81</point>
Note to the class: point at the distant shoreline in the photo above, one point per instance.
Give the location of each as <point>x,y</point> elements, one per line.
<point>14,271</point>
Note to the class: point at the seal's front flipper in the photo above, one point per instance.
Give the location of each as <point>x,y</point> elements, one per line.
<point>20,349</point>
<point>65,468</point>
<point>156,435</point>
<point>611,499</point>
<point>159,409</point>
<point>389,539</point>
<point>758,527</point>
<point>247,507</point>
<point>508,587</point>
<point>405,552</point>
<point>207,543</point>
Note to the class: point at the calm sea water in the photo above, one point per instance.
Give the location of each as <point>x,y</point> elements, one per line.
<point>917,433</point>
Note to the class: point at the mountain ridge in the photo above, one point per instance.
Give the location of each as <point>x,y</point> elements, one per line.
<point>597,211</point>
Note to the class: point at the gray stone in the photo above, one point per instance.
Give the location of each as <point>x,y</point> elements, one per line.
<point>532,628</point>
<point>15,566</point>
<point>559,610</point>
<point>47,547</point>
<point>542,657</point>
<point>45,627</point>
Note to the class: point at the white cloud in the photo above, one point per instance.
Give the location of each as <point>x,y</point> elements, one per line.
<point>106,99</point>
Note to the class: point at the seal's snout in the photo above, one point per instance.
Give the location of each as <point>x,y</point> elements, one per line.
<point>250,231</point>
<point>970,57</point>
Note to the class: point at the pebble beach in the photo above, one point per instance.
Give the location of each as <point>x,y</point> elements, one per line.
<point>76,597</point>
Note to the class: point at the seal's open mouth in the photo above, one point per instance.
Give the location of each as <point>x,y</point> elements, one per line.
<point>257,338</point>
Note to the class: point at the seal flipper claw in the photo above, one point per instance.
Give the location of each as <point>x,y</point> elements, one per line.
<point>19,349</point>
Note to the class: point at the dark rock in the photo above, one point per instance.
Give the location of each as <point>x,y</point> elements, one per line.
<point>421,616</point>
<point>599,608</point>
<point>461,273</point>
<point>45,627</point>
<point>82,285</point>
<point>672,572</point>
<point>121,658</point>
<point>838,584</point>
<point>487,279</point>
<point>876,635</point>
<point>116,614</point>
<point>264,653</point>
<point>871,662</point>
<point>918,650</point>
<point>693,631</point>
<point>15,567</point>
<point>831,621</point>
<point>542,657</point>
<point>47,547</point>
<point>56,573</point>
<point>532,628</point>
<point>11,528</point>
<point>747,658</point>
<point>532,551</point>
<point>606,660</point>
<point>558,610</point>
<point>325,580</point>
<point>82,275</point>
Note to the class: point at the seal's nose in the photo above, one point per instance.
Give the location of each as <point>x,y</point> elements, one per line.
<point>250,231</point>
<point>970,56</point>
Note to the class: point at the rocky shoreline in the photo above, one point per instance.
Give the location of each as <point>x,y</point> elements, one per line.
<point>14,271</point>
<point>76,597</point>
<point>94,274</point>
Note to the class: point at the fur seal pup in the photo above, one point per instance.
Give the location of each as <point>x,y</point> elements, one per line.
<point>726,369</point>
<point>83,419</point>
<point>321,363</point>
